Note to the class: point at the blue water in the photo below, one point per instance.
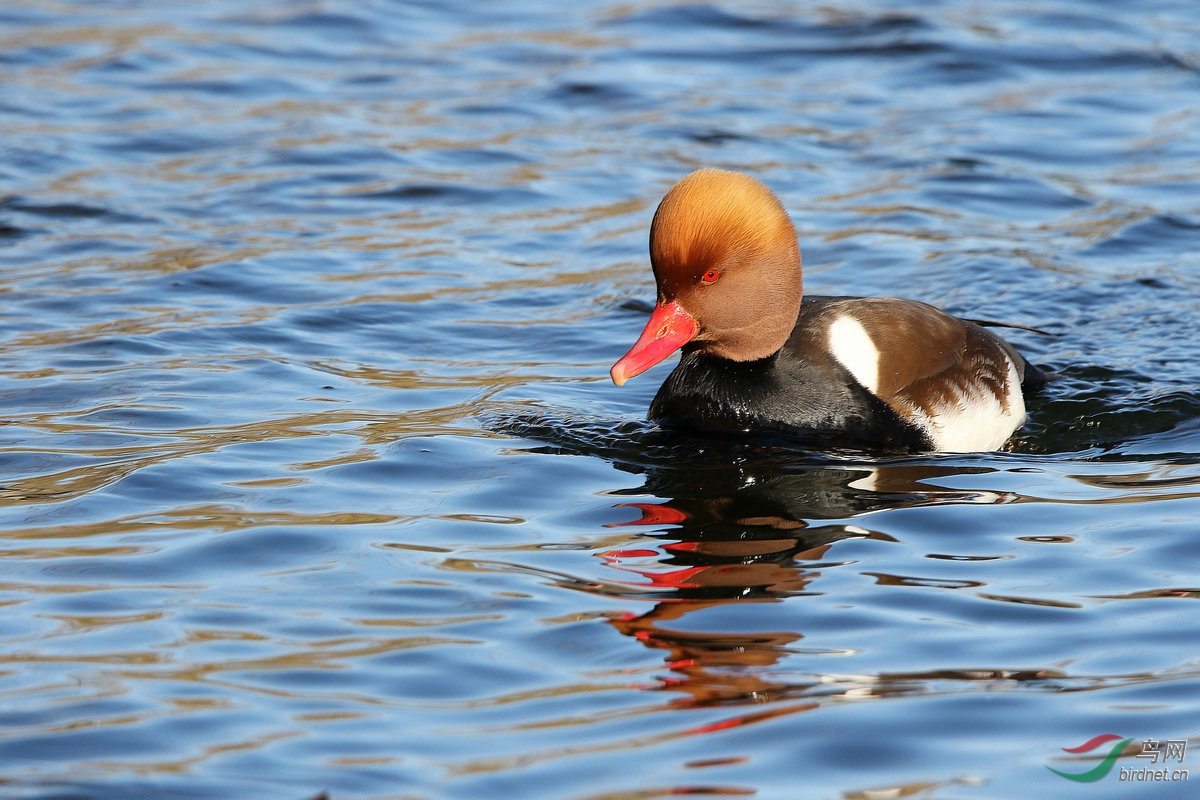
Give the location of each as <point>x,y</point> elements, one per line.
<point>312,478</point>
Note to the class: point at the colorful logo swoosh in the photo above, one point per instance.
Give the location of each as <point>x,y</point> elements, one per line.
<point>1104,767</point>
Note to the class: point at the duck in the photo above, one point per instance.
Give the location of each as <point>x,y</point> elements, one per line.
<point>757,355</point>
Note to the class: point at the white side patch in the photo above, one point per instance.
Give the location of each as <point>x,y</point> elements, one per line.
<point>977,421</point>
<point>854,350</point>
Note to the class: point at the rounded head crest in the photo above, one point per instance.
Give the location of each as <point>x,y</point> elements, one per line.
<point>724,248</point>
<point>713,217</point>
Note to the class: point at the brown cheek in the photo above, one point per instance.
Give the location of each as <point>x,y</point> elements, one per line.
<point>709,312</point>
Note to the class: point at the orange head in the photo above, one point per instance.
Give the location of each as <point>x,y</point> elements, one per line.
<point>727,265</point>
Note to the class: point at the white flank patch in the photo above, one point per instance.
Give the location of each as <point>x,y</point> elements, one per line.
<point>976,421</point>
<point>854,350</point>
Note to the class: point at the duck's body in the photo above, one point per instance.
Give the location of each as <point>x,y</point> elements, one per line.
<point>871,373</point>
<point>832,383</point>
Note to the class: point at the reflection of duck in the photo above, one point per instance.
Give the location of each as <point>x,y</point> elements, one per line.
<point>746,531</point>
<point>759,533</point>
<point>753,540</point>
<point>740,548</point>
<point>731,520</point>
<point>787,495</point>
<point>866,372</point>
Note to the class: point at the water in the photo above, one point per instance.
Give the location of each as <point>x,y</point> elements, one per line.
<point>313,480</point>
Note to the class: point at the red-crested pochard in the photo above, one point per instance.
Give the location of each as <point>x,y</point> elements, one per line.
<point>874,373</point>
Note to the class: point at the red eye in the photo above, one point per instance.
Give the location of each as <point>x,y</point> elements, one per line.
<point>710,276</point>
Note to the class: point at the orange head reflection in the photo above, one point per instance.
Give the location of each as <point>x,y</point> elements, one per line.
<point>704,554</point>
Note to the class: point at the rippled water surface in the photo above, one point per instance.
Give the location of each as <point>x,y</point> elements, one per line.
<point>312,478</point>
